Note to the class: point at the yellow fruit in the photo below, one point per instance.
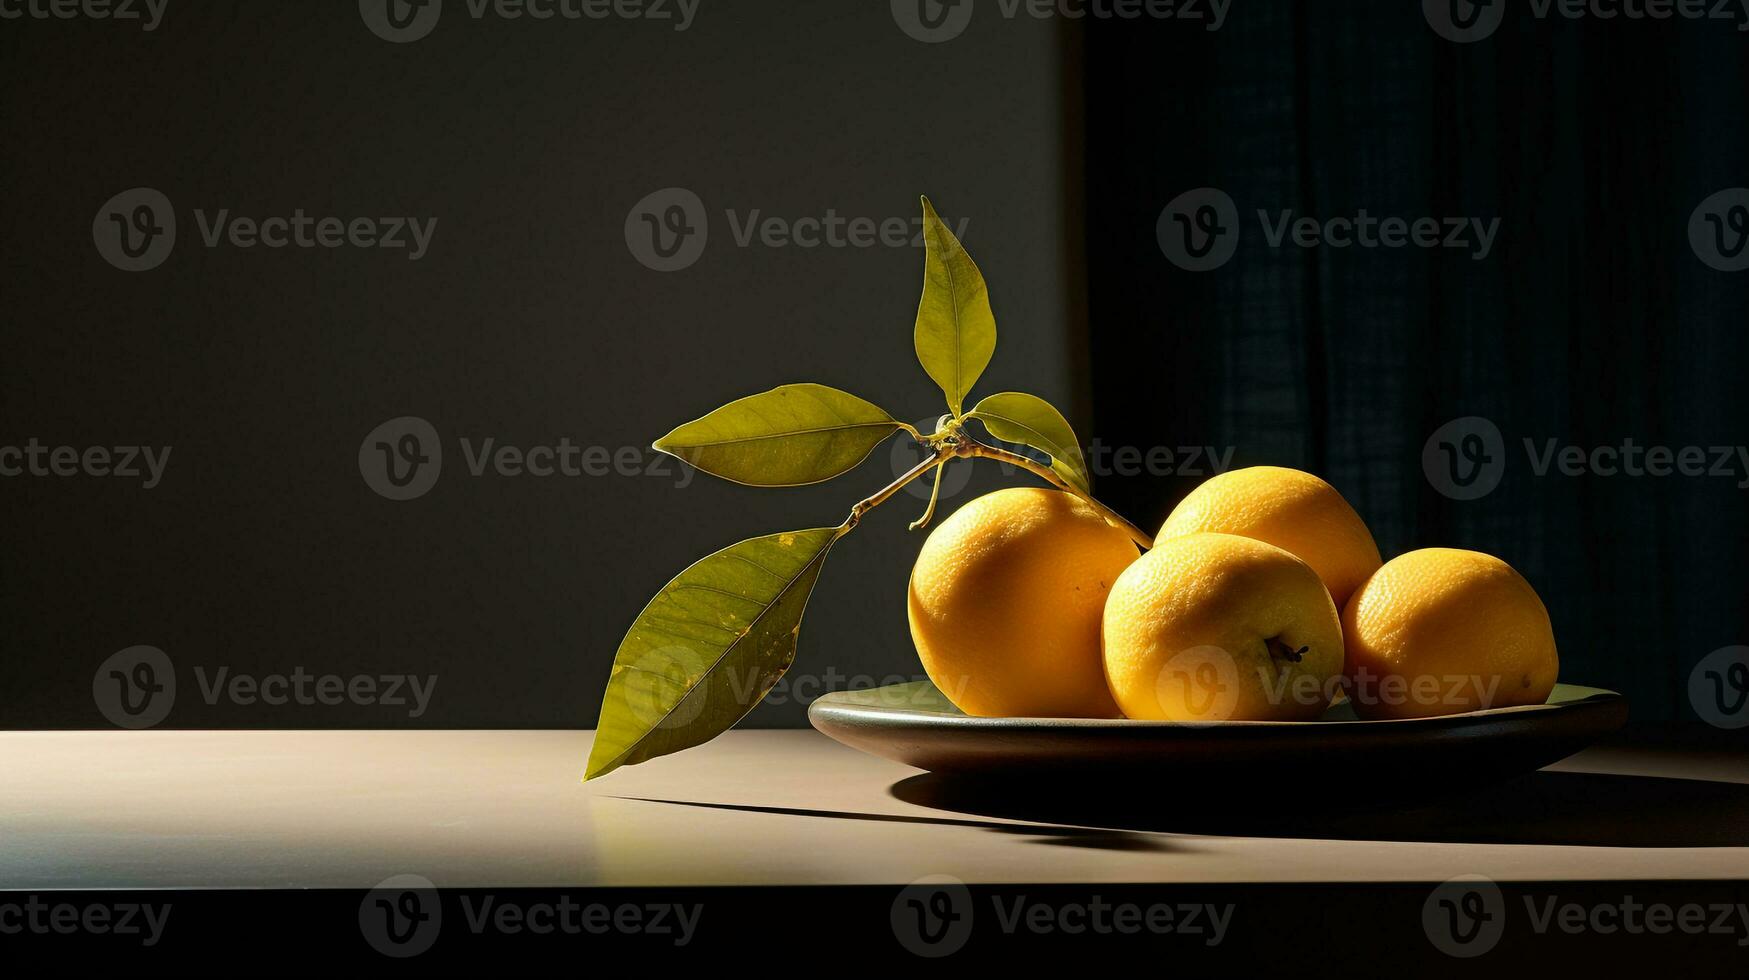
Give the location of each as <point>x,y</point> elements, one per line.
<point>1216,627</point>
<point>1287,508</point>
<point>1005,602</point>
<point>1440,631</point>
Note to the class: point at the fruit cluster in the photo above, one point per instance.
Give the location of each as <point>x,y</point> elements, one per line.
<point>1264,599</point>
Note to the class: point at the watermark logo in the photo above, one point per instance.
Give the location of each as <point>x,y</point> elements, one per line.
<point>402,458</point>
<point>135,230</point>
<point>1718,688</point>
<point>401,916</point>
<point>932,916</point>
<point>664,695</point>
<point>135,688</point>
<point>1101,459</point>
<point>1199,685</point>
<point>1465,916</point>
<point>903,455</point>
<point>36,459</point>
<point>675,923</point>
<point>149,13</point>
<point>1719,230</point>
<point>935,21</point>
<point>1465,458</point>
<point>1464,21</point>
<point>667,230</point>
<point>35,916</point>
<point>1199,230</point>
<point>400,21</point>
<point>403,21</point>
<point>804,687</point>
<point>1205,685</point>
<point>932,21</point>
<point>302,688</point>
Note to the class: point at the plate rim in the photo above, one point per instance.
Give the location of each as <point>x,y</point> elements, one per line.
<point>837,706</point>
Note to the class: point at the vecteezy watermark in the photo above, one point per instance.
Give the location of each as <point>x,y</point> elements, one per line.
<point>934,917</point>
<point>935,21</point>
<point>1718,688</point>
<point>147,13</point>
<point>671,922</point>
<point>1718,230</point>
<point>35,459</point>
<point>1204,685</point>
<point>1465,459</point>
<point>668,699</point>
<point>803,687</point>
<point>904,454</point>
<point>403,917</point>
<point>1102,460</point>
<point>403,21</point>
<point>1466,21</point>
<point>1463,21</point>
<point>136,230</point>
<point>402,458</point>
<point>411,692</point>
<point>1466,916</point>
<point>1199,231</point>
<point>668,229</point>
<point>136,688</point>
<point>51,918</point>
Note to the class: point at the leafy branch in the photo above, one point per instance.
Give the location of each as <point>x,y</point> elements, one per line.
<point>714,641</point>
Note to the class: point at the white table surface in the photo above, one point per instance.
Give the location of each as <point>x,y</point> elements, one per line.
<point>279,809</point>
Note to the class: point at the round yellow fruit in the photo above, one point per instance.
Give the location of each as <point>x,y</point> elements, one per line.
<point>1287,508</point>
<point>1441,631</point>
<point>1005,602</point>
<point>1217,627</point>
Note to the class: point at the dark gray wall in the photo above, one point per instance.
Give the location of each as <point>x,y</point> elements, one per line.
<point>528,321</point>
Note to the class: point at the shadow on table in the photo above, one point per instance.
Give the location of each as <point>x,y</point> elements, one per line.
<point>1587,809</point>
<point>1104,839</point>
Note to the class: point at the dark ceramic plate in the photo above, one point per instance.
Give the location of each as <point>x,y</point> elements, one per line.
<point>914,724</point>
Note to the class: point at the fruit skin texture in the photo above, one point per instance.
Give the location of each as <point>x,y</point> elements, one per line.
<point>1205,627</point>
<point>1290,509</point>
<point>1005,601</point>
<point>1463,624</point>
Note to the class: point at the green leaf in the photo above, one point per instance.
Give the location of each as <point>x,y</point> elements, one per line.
<point>956,332</point>
<point>784,437</point>
<point>707,648</point>
<point>1014,416</point>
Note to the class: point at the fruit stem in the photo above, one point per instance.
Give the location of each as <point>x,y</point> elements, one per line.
<point>971,448</point>
<point>934,494</point>
<point>1281,651</point>
<point>943,452</point>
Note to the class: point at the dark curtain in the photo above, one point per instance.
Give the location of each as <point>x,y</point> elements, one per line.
<point>1594,319</point>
